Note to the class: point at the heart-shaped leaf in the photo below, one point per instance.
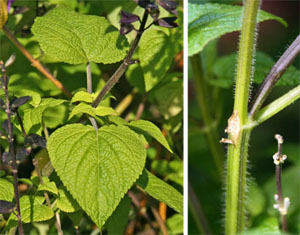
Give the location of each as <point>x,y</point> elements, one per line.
<point>99,167</point>
<point>67,36</point>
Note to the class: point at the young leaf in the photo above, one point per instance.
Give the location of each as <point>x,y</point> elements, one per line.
<point>6,190</point>
<point>48,185</point>
<point>156,53</point>
<point>33,117</point>
<point>66,202</point>
<point>97,167</point>
<point>117,222</point>
<point>161,191</point>
<point>88,109</point>
<point>175,224</point>
<point>82,96</point>
<point>148,128</point>
<point>73,38</point>
<point>209,21</point>
<point>32,210</point>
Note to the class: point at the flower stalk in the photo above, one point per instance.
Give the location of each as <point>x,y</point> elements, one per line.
<point>281,204</point>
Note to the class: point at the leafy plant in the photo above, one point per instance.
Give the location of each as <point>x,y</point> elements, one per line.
<point>90,148</point>
<point>207,22</point>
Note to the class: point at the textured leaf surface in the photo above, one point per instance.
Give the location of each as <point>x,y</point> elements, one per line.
<point>99,167</point>
<point>69,37</point>
<point>148,128</point>
<point>32,210</point>
<point>48,186</point>
<point>117,222</point>
<point>224,70</point>
<point>209,21</point>
<point>156,52</point>
<point>161,191</point>
<point>66,202</point>
<point>82,96</point>
<point>33,117</point>
<point>6,190</point>
<point>88,109</point>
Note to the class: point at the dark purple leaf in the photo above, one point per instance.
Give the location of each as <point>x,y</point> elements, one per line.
<point>169,5</point>
<point>143,3</point>
<point>6,207</point>
<point>167,22</point>
<point>35,141</point>
<point>126,28</point>
<point>20,101</point>
<point>128,18</point>
<point>22,153</point>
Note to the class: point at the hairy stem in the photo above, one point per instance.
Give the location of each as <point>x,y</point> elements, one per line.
<point>238,134</point>
<point>11,148</point>
<point>36,63</point>
<point>278,69</point>
<point>211,133</point>
<point>121,70</point>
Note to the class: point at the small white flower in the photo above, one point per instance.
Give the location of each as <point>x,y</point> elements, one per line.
<point>282,208</point>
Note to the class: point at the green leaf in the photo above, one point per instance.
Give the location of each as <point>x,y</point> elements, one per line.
<point>82,96</point>
<point>117,222</point>
<point>33,117</point>
<point>32,210</point>
<point>48,186</point>
<point>175,224</point>
<point>224,70</point>
<point>88,109</point>
<point>209,21</point>
<point>6,190</point>
<point>267,225</point>
<point>73,38</point>
<point>256,200</point>
<point>156,52</point>
<point>161,191</point>
<point>66,202</point>
<point>99,167</point>
<point>148,128</point>
<point>169,98</point>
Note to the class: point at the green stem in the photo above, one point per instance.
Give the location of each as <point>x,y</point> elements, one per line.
<point>277,105</point>
<point>211,134</point>
<point>238,151</point>
<point>89,84</point>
